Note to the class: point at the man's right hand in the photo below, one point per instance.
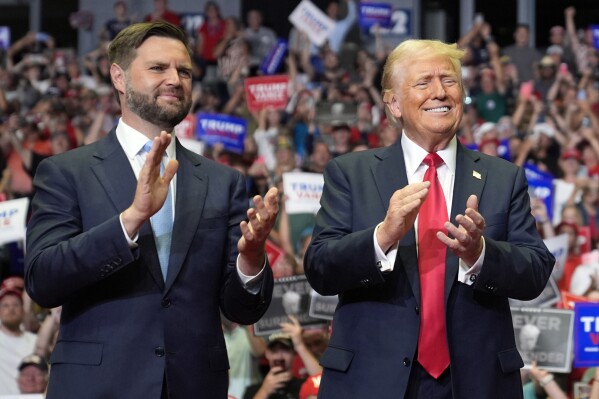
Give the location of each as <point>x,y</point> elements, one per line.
<point>276,378</point>
<point>401,215</point>
<point>152,189</point>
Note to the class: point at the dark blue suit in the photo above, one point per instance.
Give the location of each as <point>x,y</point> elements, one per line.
<point>123,328</point>
<point>375,329</point>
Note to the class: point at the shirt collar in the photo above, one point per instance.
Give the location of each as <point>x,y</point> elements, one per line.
<point>414,154</point>
<point>133,141</point>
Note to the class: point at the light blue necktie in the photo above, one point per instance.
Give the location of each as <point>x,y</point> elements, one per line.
<point>162,223</point>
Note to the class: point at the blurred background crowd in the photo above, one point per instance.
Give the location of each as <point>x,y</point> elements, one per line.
<point>536,107</point>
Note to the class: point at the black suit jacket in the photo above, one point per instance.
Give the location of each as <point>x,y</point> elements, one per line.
<point>123,328</point>
<point>376,325</point>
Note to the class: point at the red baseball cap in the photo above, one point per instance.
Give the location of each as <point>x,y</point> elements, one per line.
<point>571,153</point>
<point>11,291</point>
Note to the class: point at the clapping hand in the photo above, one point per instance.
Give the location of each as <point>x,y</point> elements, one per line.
<point>255,231</point>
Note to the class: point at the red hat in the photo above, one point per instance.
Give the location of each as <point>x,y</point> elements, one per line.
<point>14,282</point>
<point>571,225</point>
<point>570,153</point>
<point>11,291</point>
<point>310,386</point>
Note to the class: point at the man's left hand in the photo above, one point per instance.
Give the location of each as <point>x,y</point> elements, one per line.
<point>255,231</point>
<point>467,241</point>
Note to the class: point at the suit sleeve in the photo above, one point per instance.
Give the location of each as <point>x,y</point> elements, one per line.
<point>237,303</point>
<point>62,259</point>
<point>338,258</point>
<point>520,266</point>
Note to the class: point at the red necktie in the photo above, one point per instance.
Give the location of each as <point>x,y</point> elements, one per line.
<point>433,354</point>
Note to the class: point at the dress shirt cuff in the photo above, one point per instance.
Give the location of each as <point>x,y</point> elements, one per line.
<point>467,275</point>
<point>384,261</point>
<point>132,242</point>
<point>251,284</point>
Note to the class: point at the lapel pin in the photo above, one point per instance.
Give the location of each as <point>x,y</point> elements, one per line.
<point>476,174</point>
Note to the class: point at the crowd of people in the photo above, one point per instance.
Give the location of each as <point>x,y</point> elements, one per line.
<point>537,108</point>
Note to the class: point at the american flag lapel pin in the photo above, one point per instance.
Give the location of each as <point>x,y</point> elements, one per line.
<point>476,174</point>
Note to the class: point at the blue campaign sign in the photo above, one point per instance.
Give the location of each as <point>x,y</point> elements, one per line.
<point>225,129</point>
<point>273,60</point>
<point>4,37</point>
<point>540,185</point>
<point>375,14</point>
<point>586,334</point>
<point>595,31</point>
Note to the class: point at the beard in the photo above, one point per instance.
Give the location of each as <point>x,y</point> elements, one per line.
<point>164,116</point>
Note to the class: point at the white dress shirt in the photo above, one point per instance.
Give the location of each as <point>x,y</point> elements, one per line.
<point>415,170</point>
<point>132,142</point>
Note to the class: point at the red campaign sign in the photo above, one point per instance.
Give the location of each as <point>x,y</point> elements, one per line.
<point>186,129</point>
<point>266,91</point>
<point>274,252</point>
<point>568,300</point>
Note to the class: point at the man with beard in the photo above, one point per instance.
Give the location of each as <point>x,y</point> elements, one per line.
<point>143,242</point>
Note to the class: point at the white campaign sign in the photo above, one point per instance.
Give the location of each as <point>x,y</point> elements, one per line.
<point>13,216</point>
<point>310,19</point>
<point>558,246</point>
<point>303,192</point>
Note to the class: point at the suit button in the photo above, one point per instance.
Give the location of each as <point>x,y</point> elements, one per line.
<point>116,261</point>
<point>166,303</point>
<point>159,351</point>
<point>406,362</point>
<point>417,310</point>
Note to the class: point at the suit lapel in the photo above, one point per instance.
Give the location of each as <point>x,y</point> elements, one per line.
<point>390,175</point>
<point>192,187</point>
<point>470,179</point>
<point>114,173</point>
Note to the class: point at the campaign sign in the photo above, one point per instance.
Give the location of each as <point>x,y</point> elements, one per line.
<point>540,185</point>
<point>219,128</point>
<point>401,24</point>
<point>311,20</point>
<point>322,307</point>
<point>191,22</point>
<point>586,334</point>
<point>4,37</point>
<point>266,91</point>
<point>595,31</point>
<point>272,62</point>
<point>558,246</point>
<point>273,252</point>
<point>13,216</point>
<point>371,14</point>
<point>544,335</point>
<point>291,296</point>
<point>303,191</point>
<point>186,129</point>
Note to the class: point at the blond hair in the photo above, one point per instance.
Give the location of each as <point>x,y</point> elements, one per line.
<point>412,49</point>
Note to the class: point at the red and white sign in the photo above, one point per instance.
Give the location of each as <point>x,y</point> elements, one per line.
<point>186,129</point>
<point>273,252</point>
<point>266,91</point>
